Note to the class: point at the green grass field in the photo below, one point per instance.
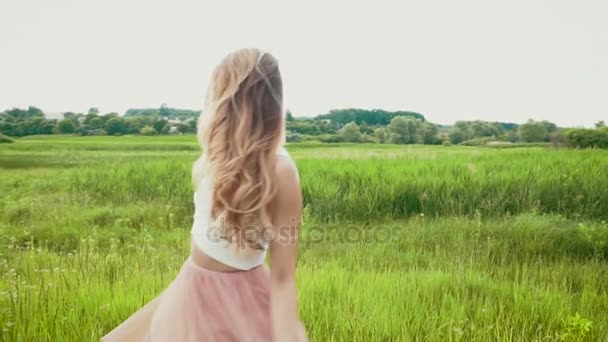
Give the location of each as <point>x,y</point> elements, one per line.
<point>399,243</point>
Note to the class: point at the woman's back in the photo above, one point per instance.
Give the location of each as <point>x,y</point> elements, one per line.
<point>209,249</point>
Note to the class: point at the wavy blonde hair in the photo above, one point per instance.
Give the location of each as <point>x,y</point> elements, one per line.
<point>240,130</point>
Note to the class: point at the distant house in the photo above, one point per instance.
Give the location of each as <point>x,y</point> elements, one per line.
<point>173,125</point>
<point>97,131</point>
<point>174,130</point>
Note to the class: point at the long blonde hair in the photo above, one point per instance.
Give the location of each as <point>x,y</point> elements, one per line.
<point>240,129</point>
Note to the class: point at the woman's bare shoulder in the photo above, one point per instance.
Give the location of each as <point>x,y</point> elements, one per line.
<point>286,206</point>
<point>282,151</point>
<point>286,169</point>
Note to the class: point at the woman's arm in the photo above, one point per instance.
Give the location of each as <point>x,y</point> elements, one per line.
<point>286,215</point>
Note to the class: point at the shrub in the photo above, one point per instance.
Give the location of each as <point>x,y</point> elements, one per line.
<point>576,328</point>
<point>477,141</point>
<point>298,137</point>
<point>532,131</point>
<point>587,138</point>
<point>147,130</point>
<point>447,143</point>
<point>293,137</point>
<point>332,138</point>
<point>5,140</point>
<point>308,137</point>
<point>351,132</point>
<point>366,138</point>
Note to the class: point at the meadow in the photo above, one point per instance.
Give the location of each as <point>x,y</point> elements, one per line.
<point>399,242</point>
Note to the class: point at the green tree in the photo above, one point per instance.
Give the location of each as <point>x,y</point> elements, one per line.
<point>372,117</point>
<point>89,117</point>
<point>95,123</point>
<point>467,130</point>
<point>381,135</point>
<point>351,132</point>
<point>289,116</point>
<point>512,136</point>
<point>35,125</point>
<point>428,134</point>
<point>403,129</point>
<point>532,131</point>
<point>135,124</point>
<point>16,114</point>
<point>164,110</point>
<point>66,126</point>
<point>365,128</point>
<point>91,114</point>
<point>12,129</point>
<point>482,129</point>
<point>108,116</point>
<point>310,127</point>
<point>159,125</point>
<point>71,116</point>
<point>34,112</point>
<point>550,127</point>
<point>192,126</point>
<point>457,135</point>
<point>116,126</point>
<point>600,124</point>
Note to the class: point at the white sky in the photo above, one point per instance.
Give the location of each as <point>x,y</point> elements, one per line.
<point>449,60</point>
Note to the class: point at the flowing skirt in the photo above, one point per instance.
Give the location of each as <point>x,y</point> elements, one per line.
<point>204,305</point>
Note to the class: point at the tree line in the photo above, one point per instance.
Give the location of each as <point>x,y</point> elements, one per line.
<point>374,117</point>
<point>31,121</point>
<point>339,125</point>
<point>412,128</point>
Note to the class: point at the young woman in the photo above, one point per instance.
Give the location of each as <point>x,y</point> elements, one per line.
<point>247,199</point>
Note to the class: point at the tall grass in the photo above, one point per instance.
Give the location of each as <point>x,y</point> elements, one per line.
<point>373,187</point>
<point>515,279</point>
<point>399,243</point>
<point>572,183</point>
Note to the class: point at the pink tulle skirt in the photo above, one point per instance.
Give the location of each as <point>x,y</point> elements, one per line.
<point>204,305</point>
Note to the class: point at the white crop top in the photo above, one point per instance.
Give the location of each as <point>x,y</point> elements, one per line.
<point>206,231</point>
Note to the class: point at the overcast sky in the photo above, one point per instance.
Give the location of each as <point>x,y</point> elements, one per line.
<point>449,60</point>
